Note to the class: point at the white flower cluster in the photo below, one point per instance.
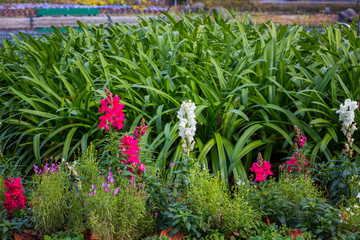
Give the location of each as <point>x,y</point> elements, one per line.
<point>347,116</point>
<point>187,125</point>
<point>346,111</point>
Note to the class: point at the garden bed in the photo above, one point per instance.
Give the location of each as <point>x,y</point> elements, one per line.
<point>202,127</point>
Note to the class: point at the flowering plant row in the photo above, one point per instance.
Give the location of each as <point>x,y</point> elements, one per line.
<point>113,205</point>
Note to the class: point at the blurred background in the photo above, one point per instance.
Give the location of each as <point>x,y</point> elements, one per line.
<point>36,17</point>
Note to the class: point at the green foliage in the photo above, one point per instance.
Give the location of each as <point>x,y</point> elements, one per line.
<point>318,217</point>
<point>274,232</point>
<point>87,168</point>
<point>279,200</point>
<point>9,167</point>
<point>69,235</point>
<point>251,83</point>
<point>120,216</point>
<point>209,199</point>
<point>239,215</point>
<point>181,218</point>
<point>76,212</point>
<point>49,199</point>
<point>339,178</point>
<point>206,196</point>
<point>294,187</point>
<point>2,191</point>
<point>294,201</point>
<point>19,221</point>
<point>350,214</point>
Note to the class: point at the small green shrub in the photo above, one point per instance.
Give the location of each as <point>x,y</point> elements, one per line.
<point>206,197</point>
<point>319,217</point>
<point>85,172</point>
<point>49,200</point>
<point>211,201</point>
<point>118,216</point>
<point>181,218</point>
<point>239,215</point>
<point>279,200</point>
<point>87,167</point>
<point>20,220</point>
<point>295,187</point>
<point>339,178</point>
<point>76,217</point>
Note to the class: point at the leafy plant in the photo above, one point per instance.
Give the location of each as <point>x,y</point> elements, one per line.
<point>274,232</point>
<point>19,221</point>
<point>118,212</point>
<point>279,200</point>
<point>239,216</point>
<point>318,217</point>
<point>87,168</point>
<point>181,218</point>
<point>49,199</point>
<point>339,178</point>
<point>62,235</point>
<point>207,197</point>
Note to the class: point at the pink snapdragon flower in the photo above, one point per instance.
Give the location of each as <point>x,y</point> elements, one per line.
<point>298,162</point>
<point>261,168</point>
<point>129,153</point>
<point>114,116</point>
<point>140,131</point>
<point>129,149</point>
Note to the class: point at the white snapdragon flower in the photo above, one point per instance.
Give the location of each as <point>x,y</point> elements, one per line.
<point>347,117</point>
<point>187,125</point>
<point>346,112</point>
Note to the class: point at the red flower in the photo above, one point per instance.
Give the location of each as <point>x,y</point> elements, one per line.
<point>261,169</point>
<point>129,152</point>
<point>297,163</point>
<point>114,116</point>
<point>15,198</point>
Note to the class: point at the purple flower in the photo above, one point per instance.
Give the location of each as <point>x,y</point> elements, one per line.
<point>171,164</point>
<point>116,191</point>
<point>93,187</point>
<point>156,214</point>
<point>281,166</point>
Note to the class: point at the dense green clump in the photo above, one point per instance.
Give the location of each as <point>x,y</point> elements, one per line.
<point>209,199</point>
